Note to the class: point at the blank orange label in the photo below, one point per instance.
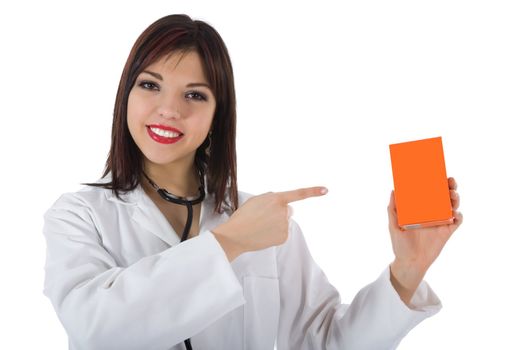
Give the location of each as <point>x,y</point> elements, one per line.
<point>420,183</point>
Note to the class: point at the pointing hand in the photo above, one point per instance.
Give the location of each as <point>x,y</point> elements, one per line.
<point>261,222</point>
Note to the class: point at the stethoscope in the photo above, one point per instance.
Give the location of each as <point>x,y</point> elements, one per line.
<point>189,202</point>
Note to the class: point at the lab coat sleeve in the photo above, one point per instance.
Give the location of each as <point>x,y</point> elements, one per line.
<point>312,316</point>
<point>154,303</point>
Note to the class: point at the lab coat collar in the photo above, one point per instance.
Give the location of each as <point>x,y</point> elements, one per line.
<point>147,215</point>
<point>126,198</point>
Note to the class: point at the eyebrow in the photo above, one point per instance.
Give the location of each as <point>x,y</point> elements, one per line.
<point>158,76</point>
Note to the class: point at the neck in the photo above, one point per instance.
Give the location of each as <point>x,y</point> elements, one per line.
<point>177,179</point>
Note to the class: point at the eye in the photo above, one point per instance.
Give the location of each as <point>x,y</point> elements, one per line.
<point>196,96</point>
<point>148,85</point>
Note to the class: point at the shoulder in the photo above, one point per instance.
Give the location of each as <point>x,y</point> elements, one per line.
<point>91,198</point>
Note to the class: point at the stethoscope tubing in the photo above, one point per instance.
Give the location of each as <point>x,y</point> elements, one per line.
<point>189,203</point>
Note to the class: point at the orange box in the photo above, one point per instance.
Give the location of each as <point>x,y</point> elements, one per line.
<point>420,184</point>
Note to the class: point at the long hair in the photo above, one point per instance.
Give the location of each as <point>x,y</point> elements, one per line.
<point>216,156</point>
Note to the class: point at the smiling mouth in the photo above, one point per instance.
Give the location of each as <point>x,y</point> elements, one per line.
<point>164,136</point>
<point>164,133</point>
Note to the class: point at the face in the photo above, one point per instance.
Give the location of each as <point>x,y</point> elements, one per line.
<point>170,109</point>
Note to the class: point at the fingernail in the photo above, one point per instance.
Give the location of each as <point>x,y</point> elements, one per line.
<point>324,190</point>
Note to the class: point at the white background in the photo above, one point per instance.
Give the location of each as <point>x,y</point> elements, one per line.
<point>322,91</point>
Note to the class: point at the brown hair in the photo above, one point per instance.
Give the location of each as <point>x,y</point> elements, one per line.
<point>170,33</point>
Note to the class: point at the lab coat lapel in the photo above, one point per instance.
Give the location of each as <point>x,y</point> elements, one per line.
<point>146,214</point>
<point>150,218</point>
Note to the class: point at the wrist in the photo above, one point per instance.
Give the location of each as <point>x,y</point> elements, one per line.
<point>231,248</point>
<point>408,274</point>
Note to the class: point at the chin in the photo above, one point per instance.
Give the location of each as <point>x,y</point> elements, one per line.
<point>164,159</point>
<point>161,160</point>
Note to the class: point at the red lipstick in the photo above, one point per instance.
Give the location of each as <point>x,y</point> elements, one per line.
<point>164,139</point>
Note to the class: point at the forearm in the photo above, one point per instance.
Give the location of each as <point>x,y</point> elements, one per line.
<point>99,304</point>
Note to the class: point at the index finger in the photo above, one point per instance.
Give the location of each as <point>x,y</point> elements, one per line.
<point>302,193</point>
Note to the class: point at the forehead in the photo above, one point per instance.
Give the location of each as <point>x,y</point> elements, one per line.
<point>179,64</point>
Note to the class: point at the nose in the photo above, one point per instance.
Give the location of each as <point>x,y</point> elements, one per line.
<point>168,108</point>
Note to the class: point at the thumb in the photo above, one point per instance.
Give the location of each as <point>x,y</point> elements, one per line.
<point>392,212</point>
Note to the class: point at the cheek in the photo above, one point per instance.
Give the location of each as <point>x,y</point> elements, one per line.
<point>200,128</point>
<point>208,122</point>
<point>137,112</point>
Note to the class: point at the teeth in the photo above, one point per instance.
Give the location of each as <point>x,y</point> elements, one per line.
<point>164,133</point>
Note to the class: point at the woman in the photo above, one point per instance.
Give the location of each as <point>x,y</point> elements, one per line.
<point>163,252</point>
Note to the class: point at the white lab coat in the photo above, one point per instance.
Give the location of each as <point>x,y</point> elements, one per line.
<point>119,278</point>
